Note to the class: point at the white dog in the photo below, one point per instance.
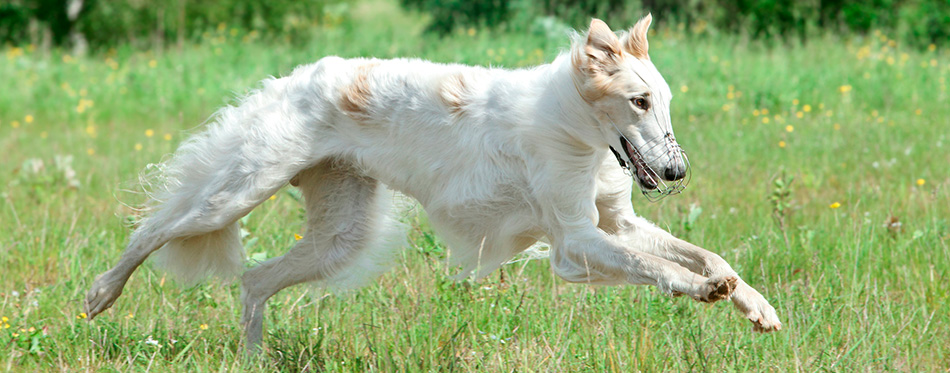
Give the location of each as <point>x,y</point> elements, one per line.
<point>499,159</point>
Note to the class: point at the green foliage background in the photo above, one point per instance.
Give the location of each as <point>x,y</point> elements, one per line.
<point>140,22</point>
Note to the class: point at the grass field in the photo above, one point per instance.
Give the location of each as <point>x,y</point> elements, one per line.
<point>855,254</point>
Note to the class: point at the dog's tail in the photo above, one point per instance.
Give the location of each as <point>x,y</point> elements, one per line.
<point>219,253</point>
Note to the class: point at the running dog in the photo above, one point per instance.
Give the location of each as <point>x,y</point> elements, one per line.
<point>499,159</point>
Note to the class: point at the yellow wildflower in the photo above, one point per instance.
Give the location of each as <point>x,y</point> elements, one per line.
<point>152,63</point>
<point>167,137</point>
<point>847,87</point>
<point>684,89</point>
<point>835,205</point>
<point>781,144</point>
<point>82,315</point>
<point>28,118</point>
<point>138,146</point>
<point>297,237</point>
<point>203,326</point>
<point>149,132</point>
<point>921,182</point>
<point>789,128</point>
<point>806,108</point>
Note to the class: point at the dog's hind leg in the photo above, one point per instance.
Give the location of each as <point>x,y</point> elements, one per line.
<point>214,179</point>
<point>344,218</point>
<point>199,229</point>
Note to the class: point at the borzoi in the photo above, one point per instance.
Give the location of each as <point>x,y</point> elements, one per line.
<point>499,159</point>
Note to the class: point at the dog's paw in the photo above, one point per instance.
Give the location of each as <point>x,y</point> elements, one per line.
<point>102,295</point>
<point>717,289</point>
<point>757,310</point>
<point>764,320</point>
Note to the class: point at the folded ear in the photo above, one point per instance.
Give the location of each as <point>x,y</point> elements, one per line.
<point>636,41</point>
<point>603,47</point>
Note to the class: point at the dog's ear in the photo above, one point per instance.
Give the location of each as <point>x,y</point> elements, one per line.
<point>596,61</point>
<point>603,47</point>
<point>635,41</point>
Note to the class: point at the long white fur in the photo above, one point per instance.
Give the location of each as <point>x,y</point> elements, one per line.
<point>498,158</point>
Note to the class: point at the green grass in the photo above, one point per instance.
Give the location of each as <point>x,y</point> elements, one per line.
<point>853,293</point>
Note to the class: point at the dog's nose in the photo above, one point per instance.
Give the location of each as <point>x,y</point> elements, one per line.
<point>674,173</point>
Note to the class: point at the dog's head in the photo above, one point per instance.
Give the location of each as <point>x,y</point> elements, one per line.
<point>631,102</point>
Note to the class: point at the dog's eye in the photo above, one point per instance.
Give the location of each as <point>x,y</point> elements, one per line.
<point>641,103</point>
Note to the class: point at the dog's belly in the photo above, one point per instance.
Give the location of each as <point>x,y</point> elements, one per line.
<point>485,219</point>
<point>482,238</point>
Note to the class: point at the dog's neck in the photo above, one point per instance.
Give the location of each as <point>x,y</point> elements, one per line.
<point>564,117</point>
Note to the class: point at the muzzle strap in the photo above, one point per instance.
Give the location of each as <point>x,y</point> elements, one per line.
<point>623,163</point>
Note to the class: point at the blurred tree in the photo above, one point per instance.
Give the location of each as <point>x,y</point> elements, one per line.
<point>450,14</point>
<point>14,19</point>
<point>927,21</point>
<point>145,23</point>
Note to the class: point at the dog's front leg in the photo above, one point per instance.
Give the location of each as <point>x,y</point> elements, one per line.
<point>745,298</point>
<point>590,256</point>
<point>653,240</point>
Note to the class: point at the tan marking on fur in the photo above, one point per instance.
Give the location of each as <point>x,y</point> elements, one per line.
<point>636,41</point>
<point>355,97</point>
<point>597,62</point>
<point>453,93</point>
